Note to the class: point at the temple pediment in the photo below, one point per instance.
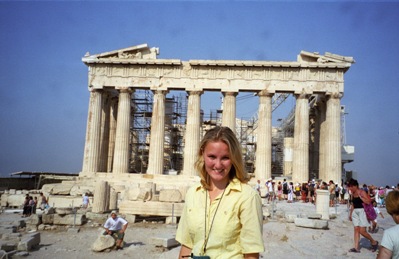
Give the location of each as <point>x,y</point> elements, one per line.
<point>135,52</point>
<point>328,57</point>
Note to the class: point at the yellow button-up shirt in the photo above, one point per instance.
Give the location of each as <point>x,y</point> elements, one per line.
<point>237,222</point>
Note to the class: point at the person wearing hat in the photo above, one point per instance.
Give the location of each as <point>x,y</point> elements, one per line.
<point>116,226</point>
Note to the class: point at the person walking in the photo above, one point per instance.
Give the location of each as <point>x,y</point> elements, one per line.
<point>358,216</point>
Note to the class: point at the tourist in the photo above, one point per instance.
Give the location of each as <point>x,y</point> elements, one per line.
<point>85,201</point>
<point>116,226</point>
<point>285,189</point>
<point>257,187</point>
<point>311,188</point>
<point>290,192</point>
<point>358,216</point>
<point>269,185</point>
<point>25,206</point>
<point>373,228</point>
<point>331,189</point>
<point>390,240</point>
<point>222,214</point>
<point>279,190</point>
<point>43,202</point>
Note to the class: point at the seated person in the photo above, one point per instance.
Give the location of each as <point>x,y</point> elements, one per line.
<point>116,226</point>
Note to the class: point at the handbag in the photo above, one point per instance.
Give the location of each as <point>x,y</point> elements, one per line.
<point>370,212</point>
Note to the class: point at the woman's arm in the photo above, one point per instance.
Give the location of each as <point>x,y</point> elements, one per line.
<point>384,253</point>
<point>185,252</point>
<point>364,197</point>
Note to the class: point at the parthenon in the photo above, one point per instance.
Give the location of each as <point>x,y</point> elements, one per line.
<point>316,81</point>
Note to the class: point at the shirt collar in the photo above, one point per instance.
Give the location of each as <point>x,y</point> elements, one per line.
<point>234,185</point>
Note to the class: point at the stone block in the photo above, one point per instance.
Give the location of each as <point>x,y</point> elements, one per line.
<point>29,241</point>
<point>164,241</point>
<point>49,210</point>
<point>103,242</point>
<point>151,208</point>
<point>314,216</point>
<point>64,211</point>
<point>34,219</point>
<point>130,218</point>
<point>59,201</point>
<point>61,189</point>
<point>171,220</point>
<point>13,191</point>
<point>311,223</point>
<point>8,245</point>
<point>4,200</point>
<point>69,219</point>
<point>290,218</point>
<point>31,227</point>
<point>77,190</point>
<point>48,218</point>
<point>138,194</point>
<point>97,217</point>
<point>47,188</point>
<point>170,196</point>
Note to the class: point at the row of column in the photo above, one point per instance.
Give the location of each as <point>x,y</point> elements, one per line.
<point>110,142</point>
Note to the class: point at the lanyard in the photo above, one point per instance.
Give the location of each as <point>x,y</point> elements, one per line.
<point>206,238</point>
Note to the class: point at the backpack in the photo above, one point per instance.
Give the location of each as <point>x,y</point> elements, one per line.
<point>285,186</point>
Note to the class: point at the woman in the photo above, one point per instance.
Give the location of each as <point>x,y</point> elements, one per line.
<point>290,192</point>
<point>222,216</point>
<point>390,241</point>
<point>358,216</point>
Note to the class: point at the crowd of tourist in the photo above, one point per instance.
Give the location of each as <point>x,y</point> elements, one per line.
<point>306,192</point>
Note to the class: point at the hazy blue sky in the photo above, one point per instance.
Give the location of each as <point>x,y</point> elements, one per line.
<point>43,82</point>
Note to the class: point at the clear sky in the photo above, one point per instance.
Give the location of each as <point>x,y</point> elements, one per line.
<point>43,82</point>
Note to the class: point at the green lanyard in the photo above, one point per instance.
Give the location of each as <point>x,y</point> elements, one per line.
<point>206,238</point>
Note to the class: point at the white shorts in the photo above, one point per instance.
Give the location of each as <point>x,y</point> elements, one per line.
<point>359,218</point>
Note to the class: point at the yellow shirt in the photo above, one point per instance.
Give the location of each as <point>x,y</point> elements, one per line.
<point>237,226</point>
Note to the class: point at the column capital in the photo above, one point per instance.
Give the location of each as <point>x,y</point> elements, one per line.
<point>158,91</point>
<point>194,92</point>
<point>302,96</point>
<point>334,95</point>
<point>124,89</point>
<point>226,93</point>
<point>265,93</point>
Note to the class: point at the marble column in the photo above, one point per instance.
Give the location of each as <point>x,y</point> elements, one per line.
<point>301,140</point>
<point>263,161</point>
<point>91,157</point>
<point>105,121</point>
<point>112,133</point>
<point>322,125</point>
<point>157,137</point>
<point>122,135</point>
<point>192,134</point>
<point>229,110</point>
<point>333,138</point>
<point>288,156</point>
<point>101,197</point>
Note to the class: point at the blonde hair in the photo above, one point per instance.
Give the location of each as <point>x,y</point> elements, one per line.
<point>227,136</point>
<point>392,202</point>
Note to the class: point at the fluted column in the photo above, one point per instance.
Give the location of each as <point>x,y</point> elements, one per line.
<point>192,135</point>
<point>321,120</point>
<point>229,110</point>
<point>91,157</point>
<point>104,139</point>
<point>333,140</point>
<point>288,156</point>
<point>156,153</point>
<point>112,133</point>
<point>263,162</point>
<point>122,152</point>
<point>301,140</point>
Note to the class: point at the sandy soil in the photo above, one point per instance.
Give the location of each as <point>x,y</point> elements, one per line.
<point>282,239</point>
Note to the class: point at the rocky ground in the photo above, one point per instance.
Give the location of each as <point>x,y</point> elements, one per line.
<point>282,239</point>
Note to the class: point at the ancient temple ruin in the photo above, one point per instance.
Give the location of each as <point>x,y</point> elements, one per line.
<point>112,148</point>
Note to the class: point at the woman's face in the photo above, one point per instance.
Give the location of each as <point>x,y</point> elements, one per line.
<point>217,162</point>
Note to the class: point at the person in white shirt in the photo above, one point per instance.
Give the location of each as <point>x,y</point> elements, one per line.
<point>116,226</point>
